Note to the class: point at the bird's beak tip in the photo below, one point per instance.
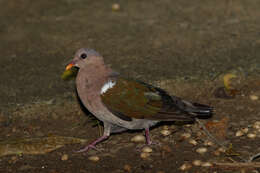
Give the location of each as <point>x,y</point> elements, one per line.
<point>69,66</point>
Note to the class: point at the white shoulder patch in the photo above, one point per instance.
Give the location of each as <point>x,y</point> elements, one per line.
<point>107,85</point>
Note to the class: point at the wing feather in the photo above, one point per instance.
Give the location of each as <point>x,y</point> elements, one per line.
<point>129,99</point>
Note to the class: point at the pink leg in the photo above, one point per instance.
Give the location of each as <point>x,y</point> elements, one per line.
<point>148,140</point>
<point>92,145</point>
<point>147,135</point>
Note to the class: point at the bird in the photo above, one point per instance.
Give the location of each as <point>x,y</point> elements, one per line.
<point>123,103</point>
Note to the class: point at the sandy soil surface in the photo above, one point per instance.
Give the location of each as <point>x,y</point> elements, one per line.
<point>184,47</point>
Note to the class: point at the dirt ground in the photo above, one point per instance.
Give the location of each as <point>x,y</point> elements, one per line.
<point>184,47</point>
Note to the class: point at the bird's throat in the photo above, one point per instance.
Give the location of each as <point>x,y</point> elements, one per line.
<point>89,82</point>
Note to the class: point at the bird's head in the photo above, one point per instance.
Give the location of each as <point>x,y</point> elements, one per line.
<point>85,57</point>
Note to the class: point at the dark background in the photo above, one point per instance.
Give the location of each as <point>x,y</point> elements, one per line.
<point>149,40</point>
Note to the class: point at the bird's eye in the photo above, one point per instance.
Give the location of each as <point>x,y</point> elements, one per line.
<point>83,56</point>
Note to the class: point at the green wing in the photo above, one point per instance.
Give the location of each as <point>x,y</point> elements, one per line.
<point>132,99</point>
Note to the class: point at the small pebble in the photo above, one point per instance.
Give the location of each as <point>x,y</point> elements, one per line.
<point>254,97</point>
<point>115,7</point>
<point>202,150</point>
<point>244,130</point>
<point>185,166</point>
<point>222,150</point>
<point>193,142</point>
<point>144,155</point>
<point>13,160</point>
<point>256,126</point>
<point>165,132</point>
<point>93,158</point>
<point>199,134</point>
<point>206,164</point>
<point>127,168</point>
<point>147,149</point>
<point>138,138</point>
<point>196,162</point>
<point>239,133</point>
<point>64,157</point>
<point>251,135</point>
<point>208,143</point>
<point>13,129</point>
<point>186,135</point>
<point>165,127</point>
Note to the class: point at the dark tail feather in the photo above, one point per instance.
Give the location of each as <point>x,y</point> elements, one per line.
<point>199,110</point>
<point>184,111</point>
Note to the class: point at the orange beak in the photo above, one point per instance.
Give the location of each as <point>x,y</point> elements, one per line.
<point>69,66</point>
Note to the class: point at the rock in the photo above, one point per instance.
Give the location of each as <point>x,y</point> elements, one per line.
<point>186,135</point>
<point>206,164</point>
<point>94,158</point>
<point>251,135</point>
<point>127,168</point>
<point>138,138</point>
<point>239,133</point>
<point>256,126</point>
<point>165,132</point>
<point>197,162</point>
<point>254,97</point>
<point>193,142</point>
<point>202,150</point>
<point>147,149</point>
<point>208,143</point>
<point>144,155</point>
<point>64,157</point>
<point>115,7</point>
<point>185,167</point>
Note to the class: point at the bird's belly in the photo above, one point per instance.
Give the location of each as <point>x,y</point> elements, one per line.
<point>99,110</point>
<point>134,124</point>
<point>106,116</point>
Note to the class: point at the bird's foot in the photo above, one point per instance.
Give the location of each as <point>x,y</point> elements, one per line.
<point>153,143</point>
<point>150,142</point>
<point>92,145</point>
<point>148,138</point>
<point>88,147</point>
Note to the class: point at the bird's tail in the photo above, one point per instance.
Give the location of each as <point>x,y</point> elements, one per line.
<point>198,110</point>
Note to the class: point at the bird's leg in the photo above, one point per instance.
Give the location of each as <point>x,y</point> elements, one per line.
<point>147,136</point>
<point>107,128</point>
<point>148,140</point>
